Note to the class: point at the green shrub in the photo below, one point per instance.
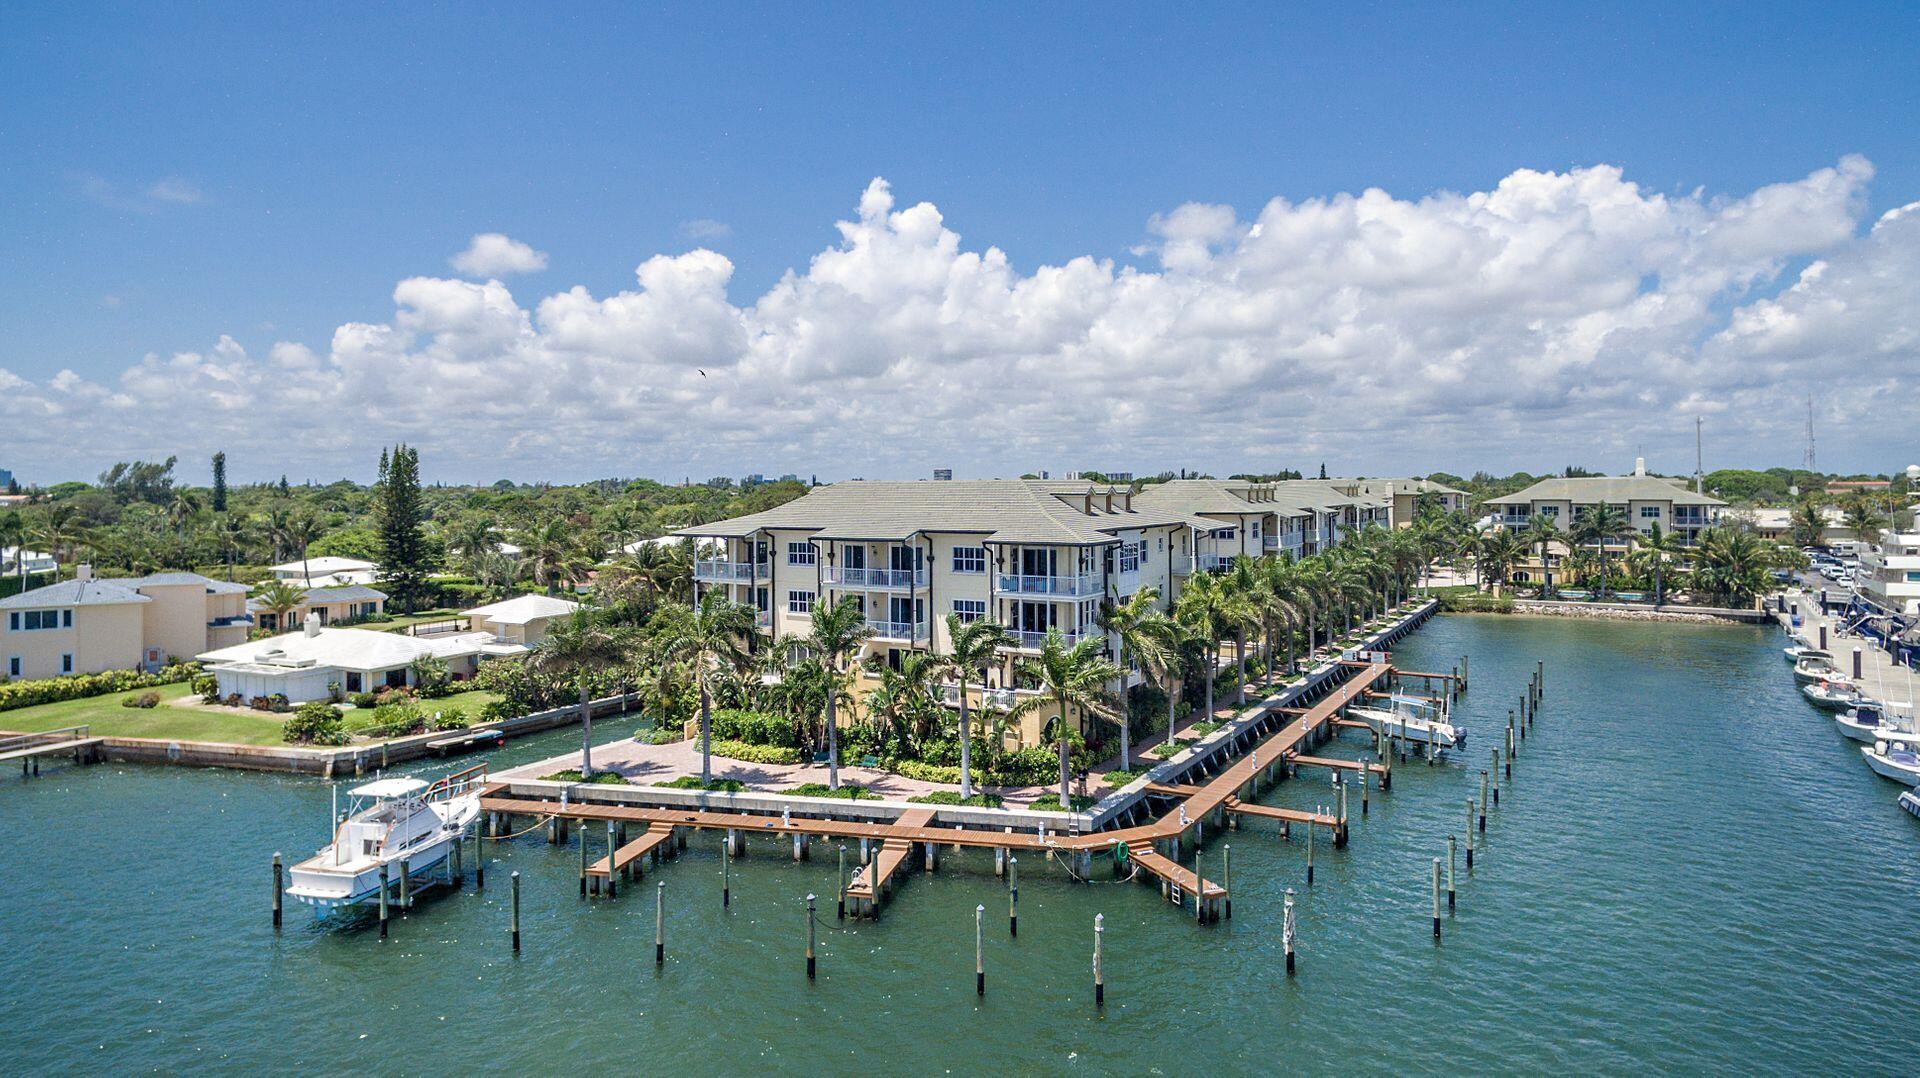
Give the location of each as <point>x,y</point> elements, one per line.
<point>600,778</point>
<point>314,722</point>
<point>1118,778</point>
<point>848,792</point>
<point>949,797</point>
<point>753,728</point>
<point>925,772</point>
<point>660,736</point>
<point>1035,765</point>
<point>497,711</point>
<point>692,782</point>
<point>452,718</point>
<point>145,699</point>
<point>1204,727</point>
<point>207,687</point>
<point>1051,803</point>
<point>27,693</point>
<point>1168,749</point>
<point>365,701</point>
<point>755,754</point>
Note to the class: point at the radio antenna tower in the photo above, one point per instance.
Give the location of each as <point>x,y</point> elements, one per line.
<point>1699,475</point>
<point>1809,462</point>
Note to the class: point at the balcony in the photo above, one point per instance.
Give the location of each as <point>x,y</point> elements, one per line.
<point>1215,563</point>
<point>1003,699</point>
<point>876,579</point>
<point>763,619</point>
<point>1065,587</point>
<point>906,631</point>
<point>715,571</point>
<point>1024,640</point>
<point>1270,543</point>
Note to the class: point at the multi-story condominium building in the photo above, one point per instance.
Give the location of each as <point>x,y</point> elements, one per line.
<point>1034,555</point>
<point>1405,494</point>
<point>84,625</point>
<point>1889,570</point>
<point>1643,499</point>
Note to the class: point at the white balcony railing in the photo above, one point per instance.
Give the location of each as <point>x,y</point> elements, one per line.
<point>1070,587</point>
<point>724,572</point>
<point>999,698</point>
<point>876,579</point>
<point>763,619</point>
<point>1215,562</point>
<point>1031,641</point>
<point>1270,542</point>
<point>898,630</point>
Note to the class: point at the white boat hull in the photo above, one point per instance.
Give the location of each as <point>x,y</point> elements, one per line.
<point>1901,767</point>
<point>1852,727</point>
<point>1910,800</point>
<point>1413,731</point>
<point>414,835</point>
<point>1832,701</point>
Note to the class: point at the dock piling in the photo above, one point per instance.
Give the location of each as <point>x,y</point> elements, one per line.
<point>612,848</point>
<point>1483,802</point>
<point>513,925</point>
<point>843,881</point>
<point>1366,780</point>
<point>383,901</point>
<point>1450,853</point>
<point>979,950</point>
<point>726,873</point>
<point>660,923</point>
<point>1099,974</point>
<point>1226,877</point>
<point>1310,851</point>
<point>810,962</point>
<point>406,885</point>
<point>479,861</point>
<point>1494,765</point>
<point>276,889</point>
<point>1436,898</point>
<point>1469,835</point>
<point>1013,897</point>
<point>1286,930</point>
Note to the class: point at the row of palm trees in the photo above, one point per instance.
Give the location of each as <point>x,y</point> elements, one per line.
<point>1726,561</point>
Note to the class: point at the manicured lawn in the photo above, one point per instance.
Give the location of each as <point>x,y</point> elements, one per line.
<point>106,716</point>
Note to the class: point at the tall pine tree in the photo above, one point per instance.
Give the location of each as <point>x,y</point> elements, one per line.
<point>405,558</point>
<point>220,482</point>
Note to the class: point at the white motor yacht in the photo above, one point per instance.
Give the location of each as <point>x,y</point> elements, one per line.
<point>1894,758</point>
<point>389,822</point>
<point>1870,722</point>
<point>1414,721</point>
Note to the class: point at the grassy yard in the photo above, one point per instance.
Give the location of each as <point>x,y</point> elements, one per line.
<point>107,717</point>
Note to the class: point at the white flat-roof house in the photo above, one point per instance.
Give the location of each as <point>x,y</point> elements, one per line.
<point>13,557</point>
<point>87,625</point>
<point>301,665</point>
<point>522,619</point>
<point>325,572</point>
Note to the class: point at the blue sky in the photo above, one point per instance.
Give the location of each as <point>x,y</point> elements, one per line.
<point>175,174</point>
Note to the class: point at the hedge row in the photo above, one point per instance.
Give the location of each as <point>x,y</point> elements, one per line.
<point>755,754</point>
<point>51,690</point>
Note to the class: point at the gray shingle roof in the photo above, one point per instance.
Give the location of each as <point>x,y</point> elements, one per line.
<point>75,593</point>
<point>1614,489</point>
<point>1000,510</point>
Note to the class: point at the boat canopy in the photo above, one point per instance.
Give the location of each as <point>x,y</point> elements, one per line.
<point>384,788</point>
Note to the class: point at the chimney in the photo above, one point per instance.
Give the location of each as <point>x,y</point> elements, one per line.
<point>312,624</point>
<point>83,571</point>
<point>1639,465</point>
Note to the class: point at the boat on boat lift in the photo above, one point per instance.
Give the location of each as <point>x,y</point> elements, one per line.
<point>1834,695</point>
<point>1894,757</point>
<point>1417,722</point>
<point>389,822</point>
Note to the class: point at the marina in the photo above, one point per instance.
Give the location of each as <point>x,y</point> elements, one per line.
<point>1562,858</point>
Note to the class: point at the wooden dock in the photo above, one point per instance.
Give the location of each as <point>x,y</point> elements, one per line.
<point>29,748</point>
<point>1279,737</point>
<point>651,841</point>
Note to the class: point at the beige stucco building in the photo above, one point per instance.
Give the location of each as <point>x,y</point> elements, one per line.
<point>1645,500</point>
<point>522,619</point>
<point>87,625</point>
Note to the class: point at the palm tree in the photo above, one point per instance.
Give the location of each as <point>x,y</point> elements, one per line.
<point>1282,604</point>
<point>976,644</point>
<point>301,531</point>
<point>61,532</point>
<point>279,598</point>
<point>1656,546</point>
<point>13,533</point>
<point>578,648</point>
<point>1071,679</point>
<point>1542,531</point>
<point>1240,590</point>
<point>552,551</point>
<point>1808,520</point>
<point>705,638</point>
<point>905,698</point>
<point>1732,564</point>
<point>474,537</point>
<point>1496,552</point>
<point>1203,609</point>
<point>838,632</point>
<point>1601,525</point>
<point>1142,631</point>
<point>234,532</point>
<point>1862,517</point>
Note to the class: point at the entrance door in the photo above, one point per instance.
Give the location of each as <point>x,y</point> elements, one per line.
<point>904,558</point>
<point>1034,617</point>
<point>1037,562</point>
<point>853,556</point>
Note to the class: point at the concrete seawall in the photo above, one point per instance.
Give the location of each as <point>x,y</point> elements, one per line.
<point>1637,612</point>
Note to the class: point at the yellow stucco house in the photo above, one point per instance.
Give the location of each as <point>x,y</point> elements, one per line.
<point>87,625</point>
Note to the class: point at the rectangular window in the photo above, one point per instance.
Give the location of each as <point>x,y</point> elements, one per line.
<point>969,559</point>
<point>66,663</point>
<point>13,620</point>
<point>800,602</point>
<point>800,554</point>
<point>353,681</point>
<point>1130,556</point>
<point>1550,510</point>
<point>1913,576</point>
<point>13,666</point>
<point>970,610</point>
<point>66,619</point>
<point>1650,512</point>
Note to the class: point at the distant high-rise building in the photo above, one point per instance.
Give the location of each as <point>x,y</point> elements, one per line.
<point>752,480</point>
<point>943,474</point>
<point>6,479</point>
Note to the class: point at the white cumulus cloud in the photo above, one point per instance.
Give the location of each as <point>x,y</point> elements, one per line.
<point>1559,317</point>
<point>491,254</point>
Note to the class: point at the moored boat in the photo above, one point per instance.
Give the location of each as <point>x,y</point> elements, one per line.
<point>1910,800</point>
<point>1815,666</point>
<point>1414,721</point>
<point>1795,652</point>
<point>1834,695</point>
<point>390,823</point>
<point>1894,759</point>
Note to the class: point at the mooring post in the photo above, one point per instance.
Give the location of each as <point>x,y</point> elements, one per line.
<point>1494,766</point>
<point>1226,877</point>
<point>612,891</point>
<point>810,965</point>
<point>479,860</point>
<point>1469,834</point>
<point>660,923</point>
<point>1199,889</point>
<point>1310,848</point>
<point>1540,676</point>
<point>1526,716</point>
<point>383,901</point>
<point>843,881</point>
<point>1436,898</point>
<point>726,873</point>
<point>1287,930</point>
<point>1366,780</point>
<point>513,928</point>
<point>1510,751</point>
<point>1450,852</point>
<point>979,950</point>
<point>583,858</point>
<point>1013,896</point>
<point>1483,802</point>
<point>1464,659</point>
<point>1099,974</point>
<point>406,885</point>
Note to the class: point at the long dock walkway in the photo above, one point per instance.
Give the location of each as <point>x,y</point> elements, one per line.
<point>28,748</point>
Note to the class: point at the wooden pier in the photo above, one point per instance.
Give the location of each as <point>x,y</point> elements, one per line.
<point>29,748</point>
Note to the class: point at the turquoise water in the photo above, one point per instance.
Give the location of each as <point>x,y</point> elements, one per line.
<point>1690,871</point>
